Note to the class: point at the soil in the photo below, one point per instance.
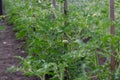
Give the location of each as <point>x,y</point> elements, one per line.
<point>9,48</point>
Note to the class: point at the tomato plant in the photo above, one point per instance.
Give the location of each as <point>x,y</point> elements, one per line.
<point>70,45</point>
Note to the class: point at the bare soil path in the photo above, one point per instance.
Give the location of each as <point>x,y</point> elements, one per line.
<point>9,47</point>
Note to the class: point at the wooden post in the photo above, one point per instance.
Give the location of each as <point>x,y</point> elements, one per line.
<point>65,11</point>
<point>66,42</point>
<point>65,7</point>
<point>53,3</point>
<point>1,9</point>
<point>112,31</point>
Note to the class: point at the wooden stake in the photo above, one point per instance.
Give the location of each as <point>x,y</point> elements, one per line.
<point>53,3</point>
<point>65,11</point>
<point>112,31</point>
<point>53,7</point>
<point>65,7</point>
<point>1,9</point>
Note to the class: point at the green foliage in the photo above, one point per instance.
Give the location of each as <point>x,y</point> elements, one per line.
<point>2,27</point>
<point>60,50</point>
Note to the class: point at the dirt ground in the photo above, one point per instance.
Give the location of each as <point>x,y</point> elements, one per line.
<point>9,47</point>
